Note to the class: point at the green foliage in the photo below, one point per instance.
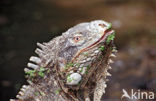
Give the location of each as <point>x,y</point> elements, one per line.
<point>102,48</point>
<point>42,93</point>
<point>36,93</point>
<point>77,64</point>
<point>42,69</point>
<point>41,72</point>
<point>57,91</point>
<point>70,64</point>
<point>31,73</point>
<point>69,79</point>
<point>81,69</point>
<point>48,70</point>
<point>109,26</point>
<point>87,69</point>
<point>110,38</point>
<point>85,53</point>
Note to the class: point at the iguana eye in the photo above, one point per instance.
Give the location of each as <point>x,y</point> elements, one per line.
<point>77,38</point>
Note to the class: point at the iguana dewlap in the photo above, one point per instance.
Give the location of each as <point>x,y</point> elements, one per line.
<point>71,67</point>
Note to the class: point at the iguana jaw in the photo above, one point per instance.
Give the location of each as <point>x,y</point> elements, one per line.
<point>102,39</point>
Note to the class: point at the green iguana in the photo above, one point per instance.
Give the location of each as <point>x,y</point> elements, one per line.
<point>71,67</point>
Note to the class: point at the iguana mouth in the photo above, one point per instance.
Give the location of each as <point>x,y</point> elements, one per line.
<point>102,39</point>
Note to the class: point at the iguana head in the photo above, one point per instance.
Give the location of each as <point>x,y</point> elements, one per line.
<point>83,44</point>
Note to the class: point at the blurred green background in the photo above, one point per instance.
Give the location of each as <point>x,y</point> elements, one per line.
<point>25,22</point>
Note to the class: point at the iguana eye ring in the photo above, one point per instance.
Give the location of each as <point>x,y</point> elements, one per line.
<point>77,38</point>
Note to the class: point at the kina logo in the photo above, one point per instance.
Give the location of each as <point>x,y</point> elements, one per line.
<point>137,94</point>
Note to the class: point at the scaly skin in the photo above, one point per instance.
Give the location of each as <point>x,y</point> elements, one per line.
<point>71,67</point>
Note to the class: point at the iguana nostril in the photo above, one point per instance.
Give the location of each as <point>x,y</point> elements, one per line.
<point>102,25</point>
